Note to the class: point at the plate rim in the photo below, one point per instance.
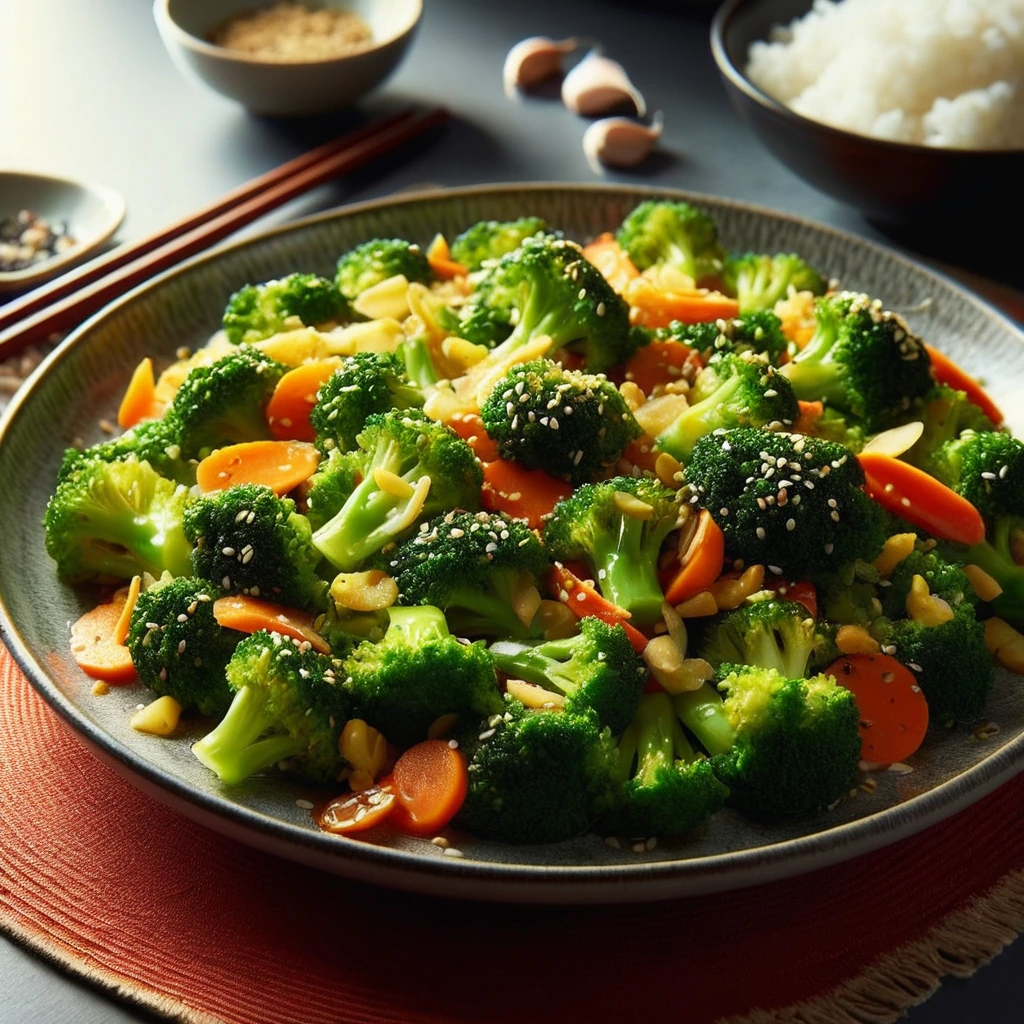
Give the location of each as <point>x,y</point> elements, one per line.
<point>468,878</point>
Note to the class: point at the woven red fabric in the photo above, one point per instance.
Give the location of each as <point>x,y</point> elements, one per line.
<point>126,890</point>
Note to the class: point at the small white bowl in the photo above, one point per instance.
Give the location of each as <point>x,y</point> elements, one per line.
<point>286,88</point>
<point>92,212</point>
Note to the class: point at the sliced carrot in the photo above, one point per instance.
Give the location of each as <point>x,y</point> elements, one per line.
<point>430,782</point>
<point>662,362</point>
<point>439,257</point>
<point>583,599</point>
<point>470,427</point>
<point>802,592</point>
<point>294,397</point>
<point>125,620</point>
<point>139,402</point>
<point>94,647</point>
<point>528,494</point>
<point>612,260</point>
<point>354,812</point>
<point>893,710</point>
<point>913,495</point>
<point>251,614</point>
<point>652,307</point>
<point>279,465</point>
<point>702,563</point>
<point>810,413</point>
<point>947,372</point>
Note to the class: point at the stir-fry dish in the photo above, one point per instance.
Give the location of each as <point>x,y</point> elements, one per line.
<point>538,537</point>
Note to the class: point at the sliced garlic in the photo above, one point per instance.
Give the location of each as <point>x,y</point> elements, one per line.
<point>896,441</point>
<point>620,141</point>
<point>532,60</point>
<point>598,84</point>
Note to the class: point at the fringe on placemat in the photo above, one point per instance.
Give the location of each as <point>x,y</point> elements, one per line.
<point>66,959</point>
<point>966,940</point>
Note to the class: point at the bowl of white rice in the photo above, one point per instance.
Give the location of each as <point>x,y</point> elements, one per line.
<point>910,110</point>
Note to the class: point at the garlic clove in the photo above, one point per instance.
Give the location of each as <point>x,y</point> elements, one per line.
<point>532,60</point>
<point>598,84</point>
<point>620,142</point>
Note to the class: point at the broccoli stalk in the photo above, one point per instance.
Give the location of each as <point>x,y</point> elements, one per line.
<point>419,364</point>
<point>759,280</point>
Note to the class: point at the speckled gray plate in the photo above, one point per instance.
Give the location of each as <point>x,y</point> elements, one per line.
<point>82,380</point>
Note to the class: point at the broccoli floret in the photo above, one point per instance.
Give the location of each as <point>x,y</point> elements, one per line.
<point>114,520</point>
<point>770,634</point>
<point>259,311</point>
<point>478,320</point>
<point>950,662</point>
<point>851,595</point>
<point>945,579</point>
<point>152,441</point>
<point>178,647</point>
<point>476,567</point>
<point>330,487</point>
<point>286,706</point>
<point>617,527</point>
<point>491,239</point>
<point>364,384</point>
<point>667,789</point>
<point>731,391</point>
<point>862,359</point>
<point>946,413</point>
<point>377,260</point>
<point>759,280</point>
<point>783,747</point>
<point>537,776</point>
<point>791,502</point>
<point>224,402</point>
<point>597,669</point>
<point>561,296</point>
<point>676,234</point>
<point>570,423</point>
<point>418,673</point>
<point>249,541</point>
<point>431,470</point>
<point>759,332</point>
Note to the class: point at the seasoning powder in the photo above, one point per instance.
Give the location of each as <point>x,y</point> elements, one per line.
<point>294,32</point>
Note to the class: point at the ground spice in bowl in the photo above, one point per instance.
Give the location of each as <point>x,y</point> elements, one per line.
<point>28,239</point>
<point>294,32</point>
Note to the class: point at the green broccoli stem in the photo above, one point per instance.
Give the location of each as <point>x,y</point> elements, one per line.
<point>418,364</point>
<point>419,623</point>
<point>702,418</point>
<point>541,314</point>
<point>660,738</point>
<point>543,664</point>
<point>627,570</point>
<point>703,713</point>
<point>817,381</point>
<point>994,557</point>
<point>127,541</point>
<point>474,612</point>
<point>234,750</point>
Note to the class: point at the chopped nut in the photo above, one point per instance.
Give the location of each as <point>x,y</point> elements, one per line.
<point>856,640</point>
<point>533,696</point>
<point>729,594</point>
<point>698,606</point>
<point>924,607</point>
<point>633,395</point>
<point>365,750</point>
<point>667,468</point>
<point>896,548</point>
<point>675,626</point>
<point>369,591</point>
<point>100,688</point>
<point>982,584</point>
<point>159,718</point>
<point>676,673</point>
<point>1005,644</point>
<point>630,505</point>
<point>525,602</point>
<point>392,483</point>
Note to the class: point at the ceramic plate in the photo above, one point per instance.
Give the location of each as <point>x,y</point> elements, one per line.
<point>92,213</point>
<point>81,382</point>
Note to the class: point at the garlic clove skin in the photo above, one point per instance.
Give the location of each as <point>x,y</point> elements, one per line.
<point>620,142</point>
<point>532,60</point>
<point>598,84</point>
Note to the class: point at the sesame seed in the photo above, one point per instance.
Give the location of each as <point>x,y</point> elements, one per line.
<point>791,525</point>
<point>227,552</point>
<point>761,533</point>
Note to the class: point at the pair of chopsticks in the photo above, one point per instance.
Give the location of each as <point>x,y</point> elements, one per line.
<point>68,300</point>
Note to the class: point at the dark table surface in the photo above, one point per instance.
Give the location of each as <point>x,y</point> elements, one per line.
<point>87,90</point>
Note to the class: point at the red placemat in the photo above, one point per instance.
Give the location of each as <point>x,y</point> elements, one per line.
<point>117,889</point>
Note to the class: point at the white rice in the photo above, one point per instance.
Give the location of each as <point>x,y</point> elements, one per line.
<point>940,72</point>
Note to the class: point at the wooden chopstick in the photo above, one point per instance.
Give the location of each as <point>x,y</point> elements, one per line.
<point>94,289</point>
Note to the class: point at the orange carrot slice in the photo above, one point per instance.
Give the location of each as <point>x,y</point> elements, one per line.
<point>893,710</point>
<point>139,402</point>
<point>652,307</point>
<point>94,647</point>
<point>528,494</point>
<point>121,629</point>
<point>250,614</point>
<point>470,427</point>
<point>583,599</point>
<point>294,397</point>
<point>662,362</point>
<point>702,563</point>
<point>430,782</point>
<point>947,372</point>
<point>810,413</point>
<point>439,257</point>
<point>913,495</point>
<point>355,812</point>
<point>611,260</point>
<point>279,465</point>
